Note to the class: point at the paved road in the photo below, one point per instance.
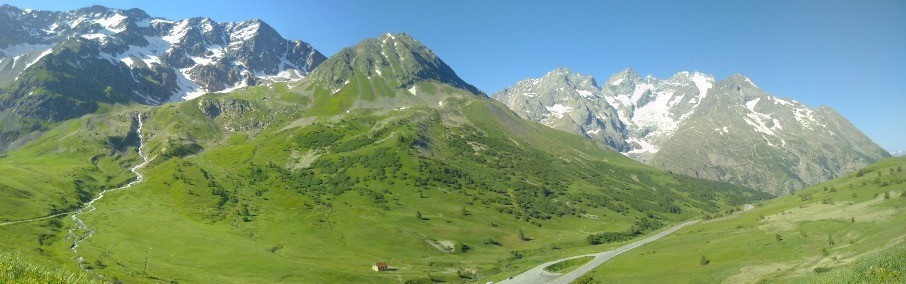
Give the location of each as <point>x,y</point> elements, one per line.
<point>539,275</point>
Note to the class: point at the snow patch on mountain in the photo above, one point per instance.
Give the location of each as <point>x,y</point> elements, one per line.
<point>113,23</point>
<point>558,110</point>
<point>784,102</point>
<point>211,55</point>
<point>285,75</point>
<point>703,83</point>
<point>585,93</point>
<point>178,32</point>
<point>160,21</point>
<point>761,123</point>
<point>100,37</point>
<point>641,147</point>
<point>239,85</point>
<point>149,54</point>
<point>244,34</point>
<point>188,89</point>
<point>44,53</point>
<point>639,91</point>
<point>751,83</point>
<point>751,104</point>
<point>656,115</point>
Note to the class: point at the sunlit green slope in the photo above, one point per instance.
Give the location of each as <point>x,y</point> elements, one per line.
<point>819,232</point>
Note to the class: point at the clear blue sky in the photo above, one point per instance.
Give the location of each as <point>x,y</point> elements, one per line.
<point>849,55</point>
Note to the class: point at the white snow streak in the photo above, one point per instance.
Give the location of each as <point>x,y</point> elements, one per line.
<point>45,53</point>
<point>750,82</point>
<point>751,104</point>
<point>640,90</point>
<point>244,34</point>
<point>558,110</point>
<point>644,147</point>
<point>584,93</point>
<point>703,83</point>
<point>111,22</point>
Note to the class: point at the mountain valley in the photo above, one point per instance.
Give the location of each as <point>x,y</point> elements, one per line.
<point>138,149</point>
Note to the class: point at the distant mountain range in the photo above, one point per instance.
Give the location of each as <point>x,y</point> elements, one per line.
<point>60,65</point>
<point>302,168</point>
<point>728,130</point>
<point>55,66</point>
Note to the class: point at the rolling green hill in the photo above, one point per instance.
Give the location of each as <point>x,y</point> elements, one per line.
<point>825,233</point>
<point>307,183</point>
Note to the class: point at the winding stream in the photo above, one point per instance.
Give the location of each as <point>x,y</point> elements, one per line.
<point>74,236</point>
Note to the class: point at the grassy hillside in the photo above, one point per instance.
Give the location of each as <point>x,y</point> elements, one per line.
<point>51,177</point>
<point>448,193</point>
<point>251,187</point>
<point>886,266</point>
<point>821,231</point>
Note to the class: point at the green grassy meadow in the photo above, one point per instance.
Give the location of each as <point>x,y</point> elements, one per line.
<point>822,230</point>
<point>254,187</point>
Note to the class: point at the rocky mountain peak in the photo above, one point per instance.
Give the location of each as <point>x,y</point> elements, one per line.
<point>569,101</point>
<point>739,86</point>
<point>563,75</point>
<point>739,79</point>
<point>624,80</point>
<point>693,124</point>
<point>628,73</point>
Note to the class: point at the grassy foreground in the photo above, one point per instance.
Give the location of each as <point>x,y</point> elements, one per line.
<point>822,231</point>
<point>15,269</point>
<point>887,266</point>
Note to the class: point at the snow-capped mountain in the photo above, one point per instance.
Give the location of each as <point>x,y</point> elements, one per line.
<point>632,114</point>
<point>568,101</point>
<point>186,58</point>
<point>60,65</point>
<point>726,130</point>
<point>653,109</point>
